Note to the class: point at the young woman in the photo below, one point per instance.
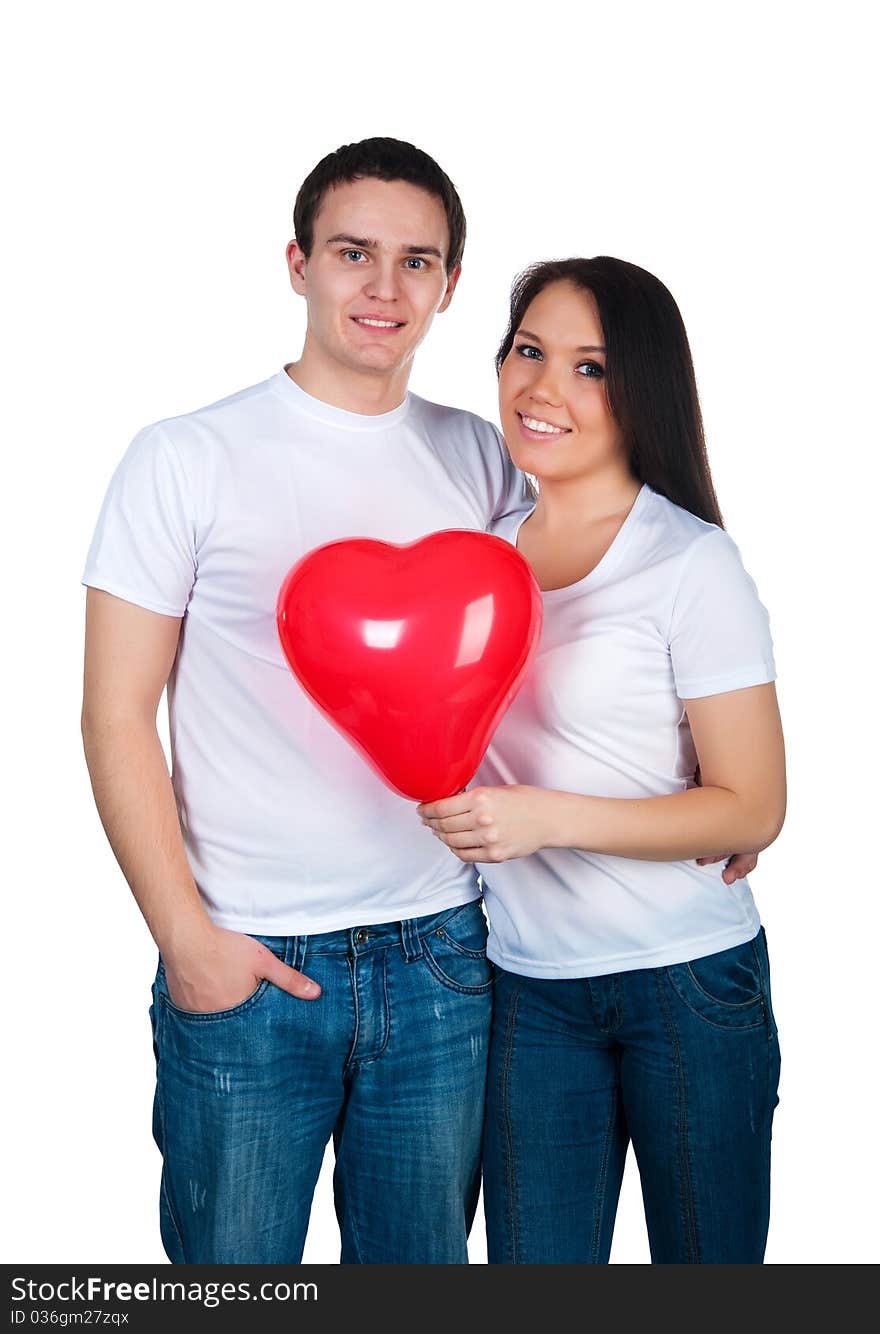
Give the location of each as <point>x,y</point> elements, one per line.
<point>632,991</point>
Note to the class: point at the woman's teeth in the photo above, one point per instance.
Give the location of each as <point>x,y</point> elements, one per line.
<point>535,425</point>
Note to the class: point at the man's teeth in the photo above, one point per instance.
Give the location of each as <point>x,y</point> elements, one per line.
<point>534,425</point>
<point>378,324</point>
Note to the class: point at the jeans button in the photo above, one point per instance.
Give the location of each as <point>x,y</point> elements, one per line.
<point>361,937</point>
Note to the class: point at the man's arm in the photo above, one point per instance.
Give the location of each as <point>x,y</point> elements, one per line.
<point>128,656</point>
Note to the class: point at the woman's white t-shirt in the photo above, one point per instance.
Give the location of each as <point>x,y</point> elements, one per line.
<point>668,614</point>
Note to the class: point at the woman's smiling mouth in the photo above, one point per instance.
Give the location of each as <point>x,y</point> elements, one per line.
<point>533,426</point>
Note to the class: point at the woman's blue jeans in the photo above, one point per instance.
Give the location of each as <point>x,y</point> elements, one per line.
<point>683,1061</point>
<point>390,1061</point>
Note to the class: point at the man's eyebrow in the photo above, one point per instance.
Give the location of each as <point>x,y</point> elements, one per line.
<point>424,250</point>
<point>361,242</point>
<point>364,243</point>
<point>524,333</point>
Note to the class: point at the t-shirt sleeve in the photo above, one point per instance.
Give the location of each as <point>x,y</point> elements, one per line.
<point>513,497</point>
<point>719,635</point>
<point>143,549</point>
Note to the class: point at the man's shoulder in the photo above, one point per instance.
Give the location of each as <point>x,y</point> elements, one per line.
<point>458,423</point>
<point>230,411</point>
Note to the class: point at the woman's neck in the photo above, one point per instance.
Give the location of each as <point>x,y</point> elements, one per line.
<point>579,502</point>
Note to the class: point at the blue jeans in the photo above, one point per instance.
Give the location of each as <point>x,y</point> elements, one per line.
<point>683,1060</point>
<point>390,1061</point>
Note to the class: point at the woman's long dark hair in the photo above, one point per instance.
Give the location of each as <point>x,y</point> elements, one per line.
<point>649,373</point>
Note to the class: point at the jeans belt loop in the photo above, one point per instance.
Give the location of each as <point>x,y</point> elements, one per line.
<point>409,939</point>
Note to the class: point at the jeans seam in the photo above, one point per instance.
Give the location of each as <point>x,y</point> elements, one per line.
<point>757,1006</point>
<point>350,1060</point>
<point>171,1214</point>
<point>163,1185</point>
<point>765,986</point>
<point>361,1061</point>
<point>449,982</point>
<point>216,1016</point>
<point>349,1218</point>
<point>727,1005</point>
<point>687,1205</point>
<point>456,912</point>
<point>511,1203</point>
<point>603,1181</point>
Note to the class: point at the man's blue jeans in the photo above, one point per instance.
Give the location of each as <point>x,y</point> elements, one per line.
<point>684,1061</point>
<point>390,1061</point>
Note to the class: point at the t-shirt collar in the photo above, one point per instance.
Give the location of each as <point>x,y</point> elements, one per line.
<point>291,392</point>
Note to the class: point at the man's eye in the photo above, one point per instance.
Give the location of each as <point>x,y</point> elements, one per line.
<point>591,370</point>
<point>355,254</point>
<point>526,350</point>
<point>416,260</point>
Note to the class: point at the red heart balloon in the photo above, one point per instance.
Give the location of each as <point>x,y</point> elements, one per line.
<point>413,652</point>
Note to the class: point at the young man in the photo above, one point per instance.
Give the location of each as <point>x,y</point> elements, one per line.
<point>323,964</point>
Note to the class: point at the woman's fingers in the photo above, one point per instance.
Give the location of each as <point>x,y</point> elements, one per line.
<point>470,854</point>
<point>440,810</point>
<point>469,838</point>
<point>454,824</point>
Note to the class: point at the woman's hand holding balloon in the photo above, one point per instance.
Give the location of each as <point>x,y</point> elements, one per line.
<point>496,824</point>
<point>492,824</point>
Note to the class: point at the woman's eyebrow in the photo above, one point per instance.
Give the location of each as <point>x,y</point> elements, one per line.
<point>524,333</point>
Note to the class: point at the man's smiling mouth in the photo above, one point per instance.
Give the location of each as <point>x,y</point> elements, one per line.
<point>376,322</point>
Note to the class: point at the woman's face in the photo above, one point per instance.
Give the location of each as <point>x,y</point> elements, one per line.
<point>554,410</point>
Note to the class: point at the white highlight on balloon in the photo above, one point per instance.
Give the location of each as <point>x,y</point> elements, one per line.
<point>383,634</point>
<point>478,618</point>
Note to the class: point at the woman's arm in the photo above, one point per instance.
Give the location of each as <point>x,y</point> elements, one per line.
<point>740,807</point>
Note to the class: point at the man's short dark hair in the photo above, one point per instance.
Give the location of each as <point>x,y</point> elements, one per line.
<point>385,160</point>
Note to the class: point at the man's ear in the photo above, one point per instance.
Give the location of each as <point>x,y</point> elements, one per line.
<point>296,266</point>
<point>451,283</point>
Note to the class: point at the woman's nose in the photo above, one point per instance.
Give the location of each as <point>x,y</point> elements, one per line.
<point>545,389</point>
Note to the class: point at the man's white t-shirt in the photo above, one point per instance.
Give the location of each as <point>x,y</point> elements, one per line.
<point>287,829</point>
<point>669,614</point>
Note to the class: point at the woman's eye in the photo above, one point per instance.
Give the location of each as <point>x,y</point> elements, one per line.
<point>591,370</point>
<point>526,350</point>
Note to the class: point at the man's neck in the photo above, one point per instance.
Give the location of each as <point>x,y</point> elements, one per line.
<point>368,393</point>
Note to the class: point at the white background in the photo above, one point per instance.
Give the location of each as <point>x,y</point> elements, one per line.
<point>154,156</point>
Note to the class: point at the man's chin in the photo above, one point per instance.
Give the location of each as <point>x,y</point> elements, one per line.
<point>377,361</point>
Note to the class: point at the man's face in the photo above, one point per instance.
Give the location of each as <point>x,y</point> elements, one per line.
<point>376,276</point>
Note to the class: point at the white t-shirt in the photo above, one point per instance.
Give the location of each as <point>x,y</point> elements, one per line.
<point>287,829</point>
<point>669,614</point>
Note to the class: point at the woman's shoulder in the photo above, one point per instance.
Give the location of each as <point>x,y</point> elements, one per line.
<point>675,532</point>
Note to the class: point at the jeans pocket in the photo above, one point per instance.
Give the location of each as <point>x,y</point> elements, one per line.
<point>275,943</point>
<point>726,989</point>
<point>455,951</point>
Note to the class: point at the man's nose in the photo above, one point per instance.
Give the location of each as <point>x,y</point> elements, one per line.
<point>383,283</point>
